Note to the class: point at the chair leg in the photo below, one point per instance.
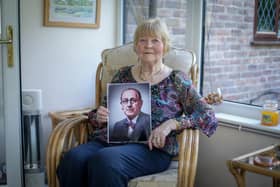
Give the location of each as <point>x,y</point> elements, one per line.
<point>52,148</point>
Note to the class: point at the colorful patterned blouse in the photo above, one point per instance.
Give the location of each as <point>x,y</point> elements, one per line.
<point>172,98</point>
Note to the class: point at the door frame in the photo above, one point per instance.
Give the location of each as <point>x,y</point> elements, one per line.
<point>12,96</point>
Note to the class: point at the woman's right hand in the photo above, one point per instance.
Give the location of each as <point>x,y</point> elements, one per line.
<point>159,134</point>
<point>102,115</point>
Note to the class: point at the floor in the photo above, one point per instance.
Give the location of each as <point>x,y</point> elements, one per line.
<point>35,180</point>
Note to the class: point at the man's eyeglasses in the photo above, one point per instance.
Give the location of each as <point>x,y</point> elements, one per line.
<point>132,101</point>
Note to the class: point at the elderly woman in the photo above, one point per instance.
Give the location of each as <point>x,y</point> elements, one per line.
<point>175,105</point>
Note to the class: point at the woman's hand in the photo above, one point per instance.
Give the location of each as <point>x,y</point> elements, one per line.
<point>158,135</point>
<point>102,115</point>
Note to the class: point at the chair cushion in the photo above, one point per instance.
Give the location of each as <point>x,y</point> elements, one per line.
<point>166,178</point>
<point>115,58</point>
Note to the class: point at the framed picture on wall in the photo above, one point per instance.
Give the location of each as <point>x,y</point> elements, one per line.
<point>72,13</point>
<point>130,112</point>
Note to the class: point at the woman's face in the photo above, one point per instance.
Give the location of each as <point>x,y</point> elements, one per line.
<point>150,49</point>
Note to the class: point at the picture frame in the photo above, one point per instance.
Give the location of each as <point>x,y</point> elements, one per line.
<point>72,13</point>
<point>129,122</point>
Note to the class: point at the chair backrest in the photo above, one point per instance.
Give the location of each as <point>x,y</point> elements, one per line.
<point>115,58</point>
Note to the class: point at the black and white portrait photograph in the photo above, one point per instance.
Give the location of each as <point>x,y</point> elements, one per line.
<point>129,107</point>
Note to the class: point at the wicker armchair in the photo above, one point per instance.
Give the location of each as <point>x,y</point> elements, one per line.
<point>71,127</point>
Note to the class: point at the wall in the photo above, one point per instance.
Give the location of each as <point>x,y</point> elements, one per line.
<point>62,61</point>
<point>225,144</point>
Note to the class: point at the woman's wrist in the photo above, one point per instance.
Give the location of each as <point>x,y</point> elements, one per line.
<point>175,125</point>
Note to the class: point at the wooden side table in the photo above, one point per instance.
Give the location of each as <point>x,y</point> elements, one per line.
<point>238,166</point>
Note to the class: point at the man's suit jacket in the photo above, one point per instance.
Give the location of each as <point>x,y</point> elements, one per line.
<point>141,131</point>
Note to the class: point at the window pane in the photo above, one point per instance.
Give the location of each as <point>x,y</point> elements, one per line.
<point>266,15</point>
<point>245,73</point>
<point>174,13</point>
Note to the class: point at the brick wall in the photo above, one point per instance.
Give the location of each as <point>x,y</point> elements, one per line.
<point>173,12</point>
<point>242,70</point>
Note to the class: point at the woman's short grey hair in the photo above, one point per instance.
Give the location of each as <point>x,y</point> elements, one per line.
<point>153,27</point>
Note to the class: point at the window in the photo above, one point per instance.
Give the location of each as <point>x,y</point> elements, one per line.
<point>174,13</point>
<point>221,34</point>
<point>267,21</point>
<point>246,74</point>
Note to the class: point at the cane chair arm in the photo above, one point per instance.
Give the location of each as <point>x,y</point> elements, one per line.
<point>59,116</point>
<point>187,158</point>
<point>67,134</point>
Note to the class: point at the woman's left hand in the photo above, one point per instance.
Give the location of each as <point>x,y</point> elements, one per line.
<point>158,135</point>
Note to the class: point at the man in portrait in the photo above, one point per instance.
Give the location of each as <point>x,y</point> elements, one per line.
<point>136,126</point>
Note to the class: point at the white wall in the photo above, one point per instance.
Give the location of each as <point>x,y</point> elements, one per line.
<point>228,143</point>
<point>62,61</point>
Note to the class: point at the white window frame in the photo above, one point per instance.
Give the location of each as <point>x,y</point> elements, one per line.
<point>244,117</point>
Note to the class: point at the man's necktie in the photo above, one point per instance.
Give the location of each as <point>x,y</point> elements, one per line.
<point>131,124</point>
<point>131,127</point>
